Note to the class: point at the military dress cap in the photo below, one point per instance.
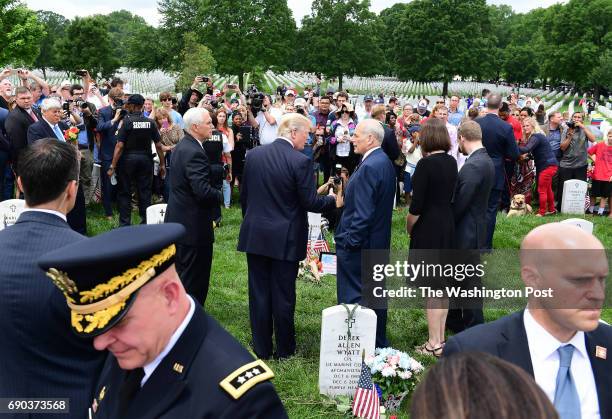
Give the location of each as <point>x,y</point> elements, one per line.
<point>101,276</point>
<point>136,99</point>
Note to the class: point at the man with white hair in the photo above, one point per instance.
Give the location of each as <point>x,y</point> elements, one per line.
<point>366,220</point>
<point>191,203</point>
<point>52,126</point>
<point>276,194</point>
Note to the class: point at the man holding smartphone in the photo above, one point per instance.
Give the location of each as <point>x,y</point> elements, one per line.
<point>193,94</point>
<point>267,121</point>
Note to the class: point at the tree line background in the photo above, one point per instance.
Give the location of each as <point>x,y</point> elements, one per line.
<point>425,40</point>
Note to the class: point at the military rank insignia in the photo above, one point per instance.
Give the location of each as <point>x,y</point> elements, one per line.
<point>245,377</point>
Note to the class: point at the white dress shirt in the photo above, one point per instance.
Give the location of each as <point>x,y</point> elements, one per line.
<point>545,360</point>
<point>48,211</point>
<point>150,368</point>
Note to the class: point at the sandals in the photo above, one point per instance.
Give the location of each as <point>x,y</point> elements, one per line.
<point>435,352</point>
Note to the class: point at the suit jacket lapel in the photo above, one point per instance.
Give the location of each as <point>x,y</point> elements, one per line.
<point>169,379</point>
<point>601,369</point>
<point>515,348</point>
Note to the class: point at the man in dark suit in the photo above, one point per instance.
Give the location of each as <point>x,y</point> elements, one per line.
<point>192,203</point>
<point>108,124</point>
<point>18,122</point>
<point>558,338</point>
<point>366,220</point>
<point>50,125</point>
<point>168,358</point>
<point>470,201</point>
<point>39,356</point>
<point>498,140</point>
<point>276,194</point>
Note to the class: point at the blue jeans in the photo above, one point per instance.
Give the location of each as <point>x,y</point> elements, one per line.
<point>227,193</point>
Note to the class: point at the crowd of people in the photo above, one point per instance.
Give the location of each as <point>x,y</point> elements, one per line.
<point>134,291</point>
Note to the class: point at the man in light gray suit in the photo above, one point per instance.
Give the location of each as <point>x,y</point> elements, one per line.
<point>470,202</point>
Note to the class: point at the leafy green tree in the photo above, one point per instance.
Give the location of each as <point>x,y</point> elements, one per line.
<point>49,56</point>
<point>87,44</point>
<point>20,33</point>
<point>123,28</point>
<point>446,38</point>
<point>576,35</point>
<point>501,17</point>
<point>390,18</point>
<point>196,59</point>
<point>520,64</point>
<point>245,35</point>
<point>341,38</point>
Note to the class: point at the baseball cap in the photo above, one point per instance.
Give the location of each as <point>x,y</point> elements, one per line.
<point>422,106</point>
<point>290,92</point>
<point>379,101</point>
<point>300,101</point>
<point>368,98</point>
<point>136,99</point>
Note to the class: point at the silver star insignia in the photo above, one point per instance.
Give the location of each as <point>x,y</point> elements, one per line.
<point>255,371</point>
<point>249,374</point>
<point>241,379</point>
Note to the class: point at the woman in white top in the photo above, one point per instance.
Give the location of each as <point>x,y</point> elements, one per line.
<point>342,130</point>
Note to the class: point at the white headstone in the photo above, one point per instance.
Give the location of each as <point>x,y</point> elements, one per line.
<point>340,357</point>
<point>579,222</point>
<point>156,214</point>
<point>574,196</point>
<point>314,226</point>
<point>10,211</point>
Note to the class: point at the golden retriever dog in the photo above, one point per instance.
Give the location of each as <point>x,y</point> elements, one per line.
<point>518,207</point>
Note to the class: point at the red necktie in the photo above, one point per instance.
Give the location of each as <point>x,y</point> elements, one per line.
<point>33,115</point>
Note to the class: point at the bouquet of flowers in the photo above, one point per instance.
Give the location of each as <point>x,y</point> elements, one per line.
<point>71,135</point>
<point>395,374</point>
<point>310,269</point>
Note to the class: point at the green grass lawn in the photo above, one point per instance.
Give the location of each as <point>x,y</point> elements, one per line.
<point>297,379</point>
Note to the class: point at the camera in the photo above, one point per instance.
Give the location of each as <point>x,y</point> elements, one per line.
<point>118,103</point>
<point>232,86</point>
<point>571,124</point>
<point>337,177</point>
<point>301,110</point>
<point>255,99</point>
<point>81,73</point>
<point>205,79</point>
<point>81,103</point>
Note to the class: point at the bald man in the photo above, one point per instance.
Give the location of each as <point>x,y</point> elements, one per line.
<point>554,332</point>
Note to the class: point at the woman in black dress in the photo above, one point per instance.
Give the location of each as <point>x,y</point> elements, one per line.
<point>430,222</point>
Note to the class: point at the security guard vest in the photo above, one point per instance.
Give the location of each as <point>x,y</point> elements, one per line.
<point>213,147</point>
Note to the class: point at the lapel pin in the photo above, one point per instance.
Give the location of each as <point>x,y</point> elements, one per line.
<point>178,368</point>
<point>102,393</point>
<point>601,352</point>
<point>94,406</point>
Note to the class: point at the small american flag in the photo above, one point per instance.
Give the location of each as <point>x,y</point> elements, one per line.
<point>366,404</point>
<point>315,247</point>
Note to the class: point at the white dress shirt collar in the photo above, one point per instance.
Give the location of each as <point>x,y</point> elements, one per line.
<point>545,362</point>
<point>367,153</point>
<point>547,344</point>
<point>288,140</point>
<point>150,368</point>
<point>48,211</point>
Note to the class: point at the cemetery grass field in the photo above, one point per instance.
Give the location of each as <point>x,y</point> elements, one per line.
<point>297,379</point>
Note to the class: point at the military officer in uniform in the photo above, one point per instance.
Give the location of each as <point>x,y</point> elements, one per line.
<point>168,358</point>
<point>133,160</point>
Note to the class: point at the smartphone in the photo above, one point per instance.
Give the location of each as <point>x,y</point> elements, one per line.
<point>205,79</point>
<point>81,73</point>
<point>66,106</point>
<point>231,86</point>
